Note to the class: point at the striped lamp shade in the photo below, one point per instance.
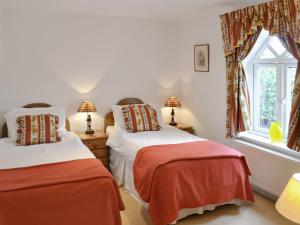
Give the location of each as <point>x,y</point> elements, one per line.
<point>87,106</point>
<point>173,102</point>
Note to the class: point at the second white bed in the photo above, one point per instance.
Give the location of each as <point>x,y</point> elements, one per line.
<point>124,147</point>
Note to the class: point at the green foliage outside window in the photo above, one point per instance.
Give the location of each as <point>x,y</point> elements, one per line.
<point>268,95</point>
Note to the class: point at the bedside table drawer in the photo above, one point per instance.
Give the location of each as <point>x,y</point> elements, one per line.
<point>185,128</point>
<point>96,143</point>
<point>104,161</point>
<point>92,145</point>
<point>189,130</point>
<point>101,152</point>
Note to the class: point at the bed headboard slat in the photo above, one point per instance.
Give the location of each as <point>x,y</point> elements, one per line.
<point>109,118</point>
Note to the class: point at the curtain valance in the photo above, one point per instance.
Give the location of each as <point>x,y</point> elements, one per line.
<point>279,17</point>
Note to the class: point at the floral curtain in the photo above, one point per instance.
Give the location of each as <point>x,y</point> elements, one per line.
<point>279,17</point>
<point>238,104</point>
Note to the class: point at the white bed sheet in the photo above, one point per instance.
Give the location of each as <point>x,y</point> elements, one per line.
<point>124,147</point>
<point>69,148</point>
<point>130,143</point>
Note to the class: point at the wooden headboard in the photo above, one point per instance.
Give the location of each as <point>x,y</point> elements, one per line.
<point>33,105</point>
<point>109,118</point>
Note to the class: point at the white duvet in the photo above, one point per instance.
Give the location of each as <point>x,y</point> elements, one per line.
<point>130,143</point>
<point>124,147</point>
<point>69,148</point>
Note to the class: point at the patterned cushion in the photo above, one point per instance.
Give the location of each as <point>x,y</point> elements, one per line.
<point>140,117</point>
<point>38,129</point>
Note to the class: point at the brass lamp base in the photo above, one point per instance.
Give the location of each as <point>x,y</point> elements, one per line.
<point>173,123</point>
<point>89,132</point>
<point>89,125</point>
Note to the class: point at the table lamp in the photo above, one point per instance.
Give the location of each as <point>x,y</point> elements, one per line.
<point>173,102</point>
<point>288,204</point>
<point>88,107</point>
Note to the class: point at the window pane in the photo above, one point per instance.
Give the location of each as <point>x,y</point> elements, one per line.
<point>277,46</point>
<point>267,54</point>
<point>291,72</point>
<point>267,83</point>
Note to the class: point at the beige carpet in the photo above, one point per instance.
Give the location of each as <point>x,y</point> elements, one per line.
<point>262,212</point>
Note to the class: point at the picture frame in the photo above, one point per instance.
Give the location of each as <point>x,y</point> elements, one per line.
<point>201,58</point>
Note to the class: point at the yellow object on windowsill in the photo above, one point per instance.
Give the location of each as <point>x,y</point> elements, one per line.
<point>276,134</point>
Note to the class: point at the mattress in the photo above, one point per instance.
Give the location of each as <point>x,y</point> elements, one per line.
<point>69,148</point>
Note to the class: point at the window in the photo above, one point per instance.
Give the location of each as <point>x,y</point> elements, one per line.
<point>271,79</point>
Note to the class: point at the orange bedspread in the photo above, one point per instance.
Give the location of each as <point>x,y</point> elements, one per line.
<point>189,175</point>
<point>80,192</point>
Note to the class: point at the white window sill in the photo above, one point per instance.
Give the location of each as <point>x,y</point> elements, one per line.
<point>264,144</point>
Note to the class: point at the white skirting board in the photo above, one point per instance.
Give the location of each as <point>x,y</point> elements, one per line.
<point>263,191</point>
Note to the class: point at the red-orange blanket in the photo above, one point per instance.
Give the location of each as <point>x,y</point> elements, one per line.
<point>189,175</point>
<point>80,192</point>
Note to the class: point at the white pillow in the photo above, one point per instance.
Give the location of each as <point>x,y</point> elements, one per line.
<point>119,118</point>
<point>12,115</point>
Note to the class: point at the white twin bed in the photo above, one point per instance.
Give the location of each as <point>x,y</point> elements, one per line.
<point>53,183</point>
<point>124,147</point>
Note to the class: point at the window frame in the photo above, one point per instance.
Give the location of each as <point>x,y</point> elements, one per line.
<point>282,63</point>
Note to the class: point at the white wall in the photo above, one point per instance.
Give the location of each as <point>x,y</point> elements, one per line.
<point>203,93</point>
<point>63,59</point>
<point>204,99</point>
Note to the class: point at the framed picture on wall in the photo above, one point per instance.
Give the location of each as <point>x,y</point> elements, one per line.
<point>201,58</point>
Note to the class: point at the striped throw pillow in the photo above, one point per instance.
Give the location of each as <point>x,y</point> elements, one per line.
<point>140,117</point>
<point>37,129</point>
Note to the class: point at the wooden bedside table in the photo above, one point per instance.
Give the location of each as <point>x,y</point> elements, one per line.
<point>186,128</point>
<point>97,144</point>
